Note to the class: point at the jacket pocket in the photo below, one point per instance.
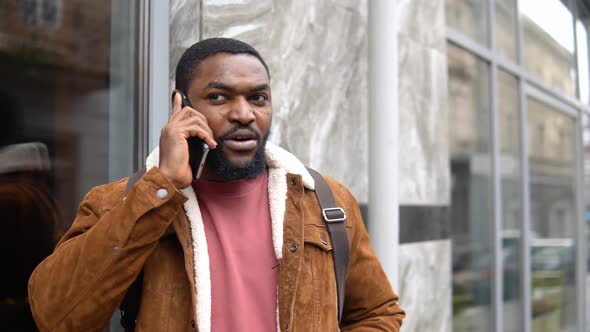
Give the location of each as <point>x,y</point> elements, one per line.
<point>316,307</point>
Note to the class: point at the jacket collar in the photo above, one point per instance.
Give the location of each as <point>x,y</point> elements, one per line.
<point>280,163</point>
<point>276,157</point>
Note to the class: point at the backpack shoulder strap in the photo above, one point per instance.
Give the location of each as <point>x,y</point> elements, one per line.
<point>130,306</point>
<point>334,217</point>
<point>133,179</point>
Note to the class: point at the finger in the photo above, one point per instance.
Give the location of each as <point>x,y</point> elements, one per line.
<point>176,102</point>
<point>203,133</point>
<point>185,113</point>
<point>191,119</point>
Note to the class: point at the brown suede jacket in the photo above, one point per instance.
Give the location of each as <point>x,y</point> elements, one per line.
<point>157,228</point>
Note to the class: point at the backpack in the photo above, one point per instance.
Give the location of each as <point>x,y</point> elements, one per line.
<point>333,216</point>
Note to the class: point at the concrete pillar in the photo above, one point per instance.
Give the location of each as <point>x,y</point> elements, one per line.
<point>383,133</point>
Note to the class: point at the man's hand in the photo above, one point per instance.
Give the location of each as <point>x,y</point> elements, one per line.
<point>183,123</point>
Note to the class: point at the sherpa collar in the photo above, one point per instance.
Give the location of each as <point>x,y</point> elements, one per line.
<point>280,163</point>
<point>276,157</point>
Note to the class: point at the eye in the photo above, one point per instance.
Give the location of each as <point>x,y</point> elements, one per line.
<point>259,99</point>
<point>216,97</point>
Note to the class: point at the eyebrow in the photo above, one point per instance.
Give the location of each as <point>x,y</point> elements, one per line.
<point>219,85</point>
<point>223,86</point>
<point>260,87</point>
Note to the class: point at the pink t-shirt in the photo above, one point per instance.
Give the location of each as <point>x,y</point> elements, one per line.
<point>243,264</point>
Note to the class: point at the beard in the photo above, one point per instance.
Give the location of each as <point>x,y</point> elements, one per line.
<point>224,170</point>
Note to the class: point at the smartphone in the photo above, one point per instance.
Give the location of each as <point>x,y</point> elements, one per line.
<point>197,148</point>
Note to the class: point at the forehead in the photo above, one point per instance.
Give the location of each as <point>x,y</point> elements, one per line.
<point>230,69</point>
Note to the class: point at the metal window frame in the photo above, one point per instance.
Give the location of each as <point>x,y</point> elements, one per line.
<point>153,75</point>
<point>529,85</point>
<point>498,280</point>
<point>159,69</point>
<point>142,120</point>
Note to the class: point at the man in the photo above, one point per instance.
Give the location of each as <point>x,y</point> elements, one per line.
<point>244,248</point>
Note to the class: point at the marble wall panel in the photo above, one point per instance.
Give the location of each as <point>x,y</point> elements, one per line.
<point>317,55</point>
<point>423,117</point>
<point>425,286</point>
<point>423,21</point>
<point>185,30</point>
<point>423,125</point>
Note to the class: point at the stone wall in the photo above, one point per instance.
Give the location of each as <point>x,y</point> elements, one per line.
<point>317,55</point>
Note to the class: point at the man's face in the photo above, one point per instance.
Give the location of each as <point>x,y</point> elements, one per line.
<point>233,92</point>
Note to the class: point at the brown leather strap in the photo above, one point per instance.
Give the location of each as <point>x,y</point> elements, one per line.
<point>334,217</point>
<point>130,305</point>
<point>134,178</point>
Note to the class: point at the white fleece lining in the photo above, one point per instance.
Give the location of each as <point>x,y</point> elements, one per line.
<point>280,162</point>
<point>277,193</point>
<point>201,264</point>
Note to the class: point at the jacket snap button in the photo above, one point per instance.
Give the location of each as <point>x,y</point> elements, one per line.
<point>162,193</point>
<point>293,181</point>
<point>116,249</point>
<point>293,248</point>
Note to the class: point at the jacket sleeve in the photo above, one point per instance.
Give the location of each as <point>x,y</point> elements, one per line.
<point>80,285</point>
<point>370,303</point>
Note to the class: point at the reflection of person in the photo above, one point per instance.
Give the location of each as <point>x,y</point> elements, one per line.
<point>29,216</point>
<point>250,249</point>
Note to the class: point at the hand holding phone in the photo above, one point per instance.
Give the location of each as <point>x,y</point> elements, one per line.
<point>197,148</point>
<point>182,153</point>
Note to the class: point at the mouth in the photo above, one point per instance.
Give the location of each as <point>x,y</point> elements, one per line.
<point>242,140</point>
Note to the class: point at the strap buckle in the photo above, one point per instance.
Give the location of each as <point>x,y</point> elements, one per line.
<point>334,218</point>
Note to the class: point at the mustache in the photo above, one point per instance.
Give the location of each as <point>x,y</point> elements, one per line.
<point>224,136</point>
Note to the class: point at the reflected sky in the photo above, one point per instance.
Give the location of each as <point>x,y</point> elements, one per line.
<point>553,17</point>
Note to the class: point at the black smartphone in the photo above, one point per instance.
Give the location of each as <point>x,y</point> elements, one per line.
<point>197,148</point>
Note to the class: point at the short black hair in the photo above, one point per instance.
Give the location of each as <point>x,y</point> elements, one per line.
<point>194,55</point>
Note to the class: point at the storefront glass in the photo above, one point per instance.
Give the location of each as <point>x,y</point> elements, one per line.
<point>471,208</point>
<point>469,17</point>
<point>553,217</point>
<point>506,28</point>
<point>511,193</point>
<point>69,103</point>
<point>548,45</point>
<point>582,25</point>
<point>537,105</point>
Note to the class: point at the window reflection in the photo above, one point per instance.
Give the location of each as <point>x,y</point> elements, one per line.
<point>69,90</point>
<point>548,32</point>
<point>511,181</point>
<point>582,49</point>
<point>471,210</point>
<point>469,17</point>
<point>506,28</point>
<point>553,217</point>
<point>586,217</point>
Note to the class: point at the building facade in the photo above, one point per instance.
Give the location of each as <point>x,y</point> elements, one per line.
<point>469,117</point>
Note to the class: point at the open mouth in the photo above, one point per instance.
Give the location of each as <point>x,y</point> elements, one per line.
<point>242,140</point>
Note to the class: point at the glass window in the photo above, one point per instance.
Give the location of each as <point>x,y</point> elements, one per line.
<point>510,176</point>
<point>582,47</point>
<point>553,217</point>
<point>548,33</point>
<point>471,208</point>
<point>506,28</point>
<point>68,100</point>
<point>586,148</point>
<point>468,17</point>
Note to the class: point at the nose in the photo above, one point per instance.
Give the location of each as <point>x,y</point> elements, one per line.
<point>241,112</point>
